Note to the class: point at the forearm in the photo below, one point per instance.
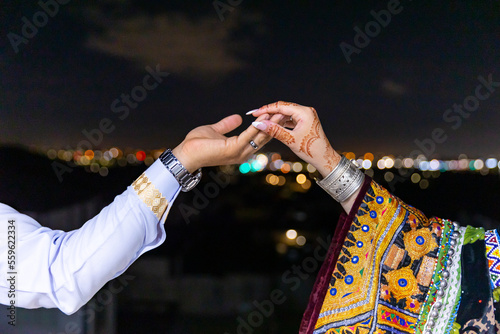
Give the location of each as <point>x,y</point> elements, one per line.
<point>326,163</point>
<point>348,204</point>
<point>65,269</point>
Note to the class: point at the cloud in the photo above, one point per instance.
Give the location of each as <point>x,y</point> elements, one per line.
<point>198,48</point>
<point>393,88</point>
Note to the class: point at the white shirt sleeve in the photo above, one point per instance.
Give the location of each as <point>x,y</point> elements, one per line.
<point>65,269</point>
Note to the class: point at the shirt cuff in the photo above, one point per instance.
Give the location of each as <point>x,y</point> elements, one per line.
<point>157,188</point>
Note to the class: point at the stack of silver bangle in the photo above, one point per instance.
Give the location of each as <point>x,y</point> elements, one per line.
<point>343,181</point>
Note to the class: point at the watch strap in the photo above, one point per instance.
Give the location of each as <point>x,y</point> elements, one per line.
<point>181,174</point>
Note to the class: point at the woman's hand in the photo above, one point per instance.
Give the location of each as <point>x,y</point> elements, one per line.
<point>305,138</point>
<point>207,146</point>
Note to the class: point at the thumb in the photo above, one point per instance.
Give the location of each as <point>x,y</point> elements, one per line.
<point>276,131</point>
<point>227,124</point>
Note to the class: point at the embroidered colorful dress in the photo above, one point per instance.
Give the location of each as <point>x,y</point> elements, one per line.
<point>390,269</point>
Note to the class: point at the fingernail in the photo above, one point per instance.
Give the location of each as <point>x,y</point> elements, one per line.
<point>260,125</point>
<point>251,111</point>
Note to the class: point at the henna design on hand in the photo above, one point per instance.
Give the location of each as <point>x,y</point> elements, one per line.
<point>313,135</point>
<point>281,134</point>
<point>283,103</point>
<point>332,159</point>
<point>280,103</point>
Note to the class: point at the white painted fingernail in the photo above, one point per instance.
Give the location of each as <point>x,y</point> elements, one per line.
<point>251,111</point>
<point>260,125</point>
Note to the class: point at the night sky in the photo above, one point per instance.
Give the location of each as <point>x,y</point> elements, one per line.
<point>395,90</point>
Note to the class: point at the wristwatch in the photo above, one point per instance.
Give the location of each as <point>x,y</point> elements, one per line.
<point>181,174</point>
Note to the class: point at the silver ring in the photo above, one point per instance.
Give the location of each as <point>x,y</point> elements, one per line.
<point>255,146</point>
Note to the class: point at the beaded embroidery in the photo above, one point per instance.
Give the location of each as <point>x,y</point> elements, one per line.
<point>447,310</point>
<point>434,288</point>
<point>493,255</point>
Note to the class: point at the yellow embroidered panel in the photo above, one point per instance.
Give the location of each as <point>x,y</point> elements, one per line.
<point>151,196</point>
<point>355,281</point>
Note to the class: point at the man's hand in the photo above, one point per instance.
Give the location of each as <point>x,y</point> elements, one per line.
<point>207,146</point>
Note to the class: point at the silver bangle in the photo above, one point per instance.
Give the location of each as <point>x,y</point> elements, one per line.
<point>343,181</point>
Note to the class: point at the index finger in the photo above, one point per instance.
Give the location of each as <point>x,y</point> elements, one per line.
<point>282,107</point>
<point>251,131</point>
